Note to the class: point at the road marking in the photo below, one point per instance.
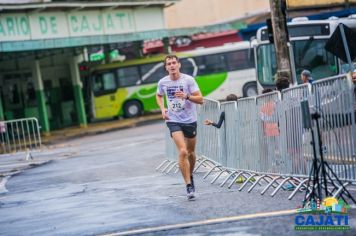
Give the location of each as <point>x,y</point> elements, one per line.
<point>203,222</point>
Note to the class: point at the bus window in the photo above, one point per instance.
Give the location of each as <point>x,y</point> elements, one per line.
<point>128,76</point>
<point>153,72</point>
<point>104,82</point>
<point>210,64</point>
<point>188,66</point>
<point>311,55</point>
<point>239,60</point>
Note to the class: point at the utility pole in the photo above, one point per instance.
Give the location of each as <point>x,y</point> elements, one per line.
<point>278,17</point>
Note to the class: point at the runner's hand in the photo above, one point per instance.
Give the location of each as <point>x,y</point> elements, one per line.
<point>165,114</point>
<point>180,94</point>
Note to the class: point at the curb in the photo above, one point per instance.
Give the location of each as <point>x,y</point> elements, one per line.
<point>105,128</point>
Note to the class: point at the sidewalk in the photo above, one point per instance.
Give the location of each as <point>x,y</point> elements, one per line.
<point>14,163</point>
<point>58,136</point>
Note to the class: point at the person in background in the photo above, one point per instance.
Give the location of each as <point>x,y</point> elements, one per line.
<point>230,97</point>
<point>306,77</point>
<point>282,83</point>
<point>267,90</point>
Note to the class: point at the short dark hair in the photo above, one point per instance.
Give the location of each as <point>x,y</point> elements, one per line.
<point>171,56</point>
<point>231,97</point>
<point>282,83</point>
<point>306,73</point>
<point>266,90</point>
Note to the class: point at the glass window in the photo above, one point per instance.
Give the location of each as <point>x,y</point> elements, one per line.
<point>210,64</point>
<point>240,60</point>
<point>14,97</point>
<point>311,55</point>
<point>188,66</point>
<point>30,92</point>
<point>104,81</point>
<point>266,64</point>
<point>152,73</point>
<point>47,84</point>
<point>128,76</point>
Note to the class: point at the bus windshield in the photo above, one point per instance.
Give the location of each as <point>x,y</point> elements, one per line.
<point>308,54</point>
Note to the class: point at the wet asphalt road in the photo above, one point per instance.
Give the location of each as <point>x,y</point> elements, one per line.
<point>108,184</point>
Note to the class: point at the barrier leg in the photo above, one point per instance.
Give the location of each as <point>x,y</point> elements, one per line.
<point>217,176</point>
<point>296,189</point>
<point>270,184</point>
<point>227,178</point>
<point>340,189</point>
<point>160,165</point>
<point>164,169</point>
<point>256,182</point>
<point>174,165</point>
<point>234,179</point>
<point>211,170</point>
<point>199,165</point>
<point>246,181</point>
<point>280,186</point>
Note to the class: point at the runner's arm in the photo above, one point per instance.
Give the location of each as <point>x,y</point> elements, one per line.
<point>195,97</point>
<point>160,102</point>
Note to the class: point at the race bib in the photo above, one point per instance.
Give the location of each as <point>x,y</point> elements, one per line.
<point>177,105</point>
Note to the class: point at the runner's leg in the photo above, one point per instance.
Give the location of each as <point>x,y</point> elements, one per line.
<point>178,138</point>
<point>191,153</point>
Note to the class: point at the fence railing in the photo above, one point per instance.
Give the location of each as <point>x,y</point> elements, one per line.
<point>21,135</point>
<point>266,138</point>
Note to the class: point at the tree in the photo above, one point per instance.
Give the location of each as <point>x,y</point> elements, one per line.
<point>280,35</point>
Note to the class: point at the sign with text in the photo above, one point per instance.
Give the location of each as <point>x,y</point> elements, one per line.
<point>47,25</point>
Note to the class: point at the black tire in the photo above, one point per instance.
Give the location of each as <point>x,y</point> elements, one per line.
<point>132,109</point>
<point>250,89</point>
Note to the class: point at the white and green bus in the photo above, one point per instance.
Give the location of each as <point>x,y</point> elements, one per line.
<point>306,49</point>
<point>128,88</point>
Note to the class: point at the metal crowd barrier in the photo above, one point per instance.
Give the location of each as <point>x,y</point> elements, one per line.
<point>171,154</point>
<point>21,135</point>
<point>335,102</point>
<point>209,141</point>
<point>266,141</point>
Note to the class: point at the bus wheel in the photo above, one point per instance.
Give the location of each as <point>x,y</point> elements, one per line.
<point>132,109</point>
<point>250,89</point>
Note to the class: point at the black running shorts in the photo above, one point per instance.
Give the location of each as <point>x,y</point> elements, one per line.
<point>189,130</point>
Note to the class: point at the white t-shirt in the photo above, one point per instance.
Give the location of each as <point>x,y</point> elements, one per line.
<point>179,110</point>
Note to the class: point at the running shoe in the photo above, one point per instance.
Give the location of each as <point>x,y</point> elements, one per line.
<point>190,192</point>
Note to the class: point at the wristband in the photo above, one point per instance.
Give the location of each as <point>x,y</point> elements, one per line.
<point>187,97</point>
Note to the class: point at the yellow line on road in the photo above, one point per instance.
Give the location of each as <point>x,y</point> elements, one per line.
<point>204,222</point>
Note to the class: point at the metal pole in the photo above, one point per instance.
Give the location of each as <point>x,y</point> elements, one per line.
<point>346,47</point>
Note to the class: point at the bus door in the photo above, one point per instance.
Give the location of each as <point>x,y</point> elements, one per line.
<point>105,97</point>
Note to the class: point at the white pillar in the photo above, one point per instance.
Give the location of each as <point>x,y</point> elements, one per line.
<point>41,101</point>
<point>77,88</point>
<point>36,75</point>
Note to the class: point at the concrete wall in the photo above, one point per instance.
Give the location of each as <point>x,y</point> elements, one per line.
<point>184,13</point>
<point>297,4</point>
